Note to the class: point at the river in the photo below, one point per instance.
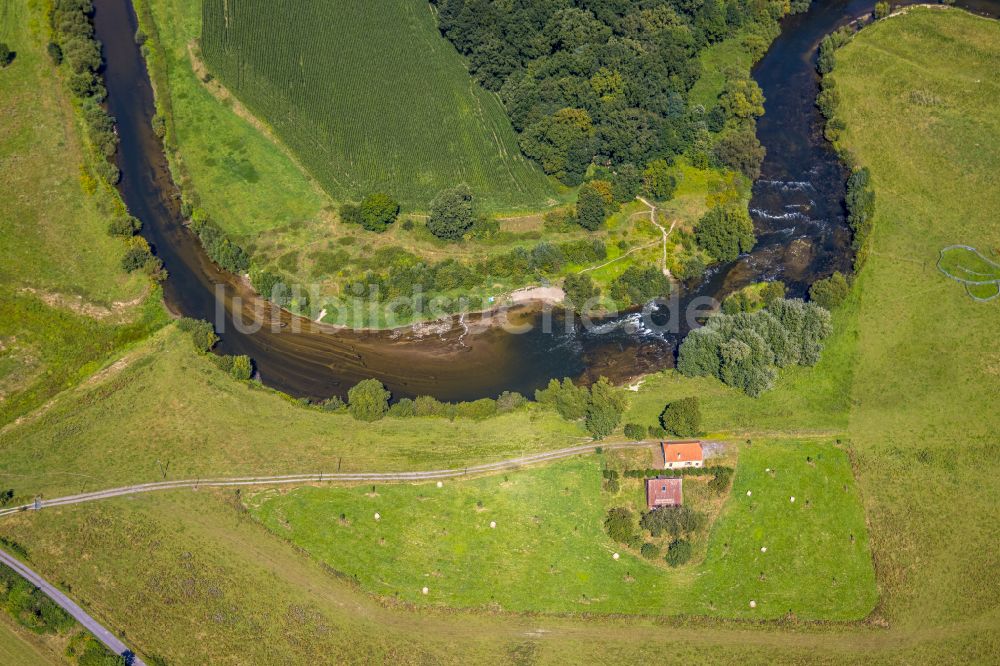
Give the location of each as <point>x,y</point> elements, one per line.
<point>797,208</point>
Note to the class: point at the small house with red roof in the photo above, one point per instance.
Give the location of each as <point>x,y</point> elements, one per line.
<point>664,492</point>
<point>682,454</point>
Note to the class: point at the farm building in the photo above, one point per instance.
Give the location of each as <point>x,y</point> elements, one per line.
<point>682,454</point>
<point>664,492</point>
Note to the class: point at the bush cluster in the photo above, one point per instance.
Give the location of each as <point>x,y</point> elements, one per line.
<point>73,44</point>
<point>600,406</point>
<point>860,212</point>
<point>29,606</point>
<point>831,291</point>
<point>638,286</point>
<point>375,213</point>
<point>368,400</point>
<point>715,470</point>
<point>408,276</point>
<point>673,520</point>
<point>725,232</point>
<point>217,244</point>
<point>747,349</point>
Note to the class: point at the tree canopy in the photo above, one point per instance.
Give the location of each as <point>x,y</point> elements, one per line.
<point>603,80</point>
<point>725,232</point>
<point>451,213</point>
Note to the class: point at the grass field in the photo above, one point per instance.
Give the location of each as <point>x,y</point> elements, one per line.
<point>22,650</point>
<point>549,552</point>
<point>371,100</point>
<point>912,375</point>
<point>81,305</point>
<point>919,98</point>
<point>205,424</point>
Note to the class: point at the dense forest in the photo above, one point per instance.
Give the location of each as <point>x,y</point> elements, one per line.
<point>608,80</point>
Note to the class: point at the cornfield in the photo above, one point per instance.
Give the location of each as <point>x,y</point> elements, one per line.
<point>370,97</point>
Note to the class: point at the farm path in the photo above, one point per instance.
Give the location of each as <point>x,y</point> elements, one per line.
<point>68,605</point>
<point>321,477</point>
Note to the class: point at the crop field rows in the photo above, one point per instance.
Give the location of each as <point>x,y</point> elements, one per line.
<point>370,100</point>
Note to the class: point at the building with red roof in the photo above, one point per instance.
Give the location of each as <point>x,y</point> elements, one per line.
<point>664,492</point>
<point>682,454</point>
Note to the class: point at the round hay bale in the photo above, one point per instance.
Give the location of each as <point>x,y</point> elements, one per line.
<point>792,499</point>
<point>749,493</point>
<point>493,524</point>
<point>753,604</point>
<point>378,516</point>
<point>763,549</point>
<point>615,556</point>
<point>424,591</point>
<point>440,484</point>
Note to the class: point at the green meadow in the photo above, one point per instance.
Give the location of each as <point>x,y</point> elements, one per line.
<point>548,551</point>
<point>908,384</point>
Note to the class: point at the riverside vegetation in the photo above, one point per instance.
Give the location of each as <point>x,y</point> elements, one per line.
<point>696,154</point>
<point>898,381</point>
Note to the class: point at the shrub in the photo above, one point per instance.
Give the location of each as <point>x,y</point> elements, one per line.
<point>6,55</point>
<point>619,524</point>
<point>350,214</point>
<point>725,232</point>
<point>638,286</point>
<point>882,10</point>
<point>136,256</point>
<point>740,151</point>
<point>605,409</point>
<point>591,207</point>
<point>55,53</point>
<point>403,409</point>
<point>830,292</point>
<point>242,368</point>
<point>657,180</point>
<point>650,551</point>
<point>334,404</point>
<point>510,401</point>
<point>451,213</point>
<point>567,399</point>
<point>634,431</point>
<point>378,211</point>
<point>682,417</point>
<point>201,332</point>
<point>612,485</point>
<point>720,481</point>
<point>368,400</point>
<point>678,552</point>
<point>478,410</point>
<point>657,432</point>
<point>124,225</point>
<point>218,247</point>
<point>580,289</point>
<point>672,520</point>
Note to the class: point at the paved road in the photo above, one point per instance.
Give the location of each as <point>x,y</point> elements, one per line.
<point>80,615</point>
<point>349,477</point>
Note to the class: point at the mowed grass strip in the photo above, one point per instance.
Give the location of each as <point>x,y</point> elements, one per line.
<point>919,95</point>
<point>370,99</point>
<point>548,550</point>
